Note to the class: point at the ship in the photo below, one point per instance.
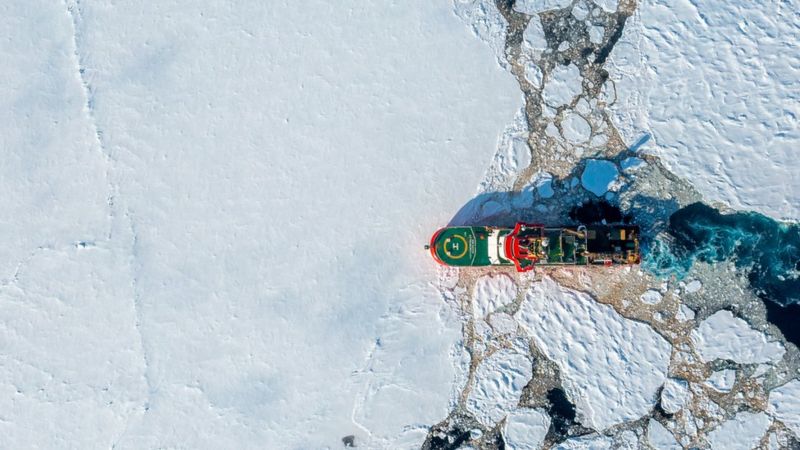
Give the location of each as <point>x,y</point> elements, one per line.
<point>529,245</point>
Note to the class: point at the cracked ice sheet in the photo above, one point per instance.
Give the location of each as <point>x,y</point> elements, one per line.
<point>72,369</point>
<point>53,172</point>
<point>417,335</point>
<point>681,69</point>
<point>612,367</point>
<point>499,381</point>
<point>283,165</point>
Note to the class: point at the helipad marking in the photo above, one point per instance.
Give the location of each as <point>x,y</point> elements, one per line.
<point>455,247</point>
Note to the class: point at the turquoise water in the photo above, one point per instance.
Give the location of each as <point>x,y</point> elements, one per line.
<point>768,250</point>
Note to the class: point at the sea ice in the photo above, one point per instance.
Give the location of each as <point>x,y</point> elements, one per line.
<point>784,404</point>
<point>525,429</point>
<point>607,5</point>
<point>651,297</point>
<point>598,176</point>
<point>533,74</point>
<point>684,313</point>
<point>533,40</point>
<point>232,148</point>
<point>512,156</point>
<point>575,128</point>
<point>611,367</point>
<point>563,85</point>
<point>53,172</point>
<point>498,384</point>
<point>722,380</point>
<point>596,34</point>
<point>693,286</point>
<point>588,442</point>
<point>486,22</point>
<point>491,292</point>
<point>632,164</point>
<point>674,395</point>
<point>534,7</point>
<point>724,336</point>
<point>543,182</point>
<point>580,11</point>
<point>503,323</point>
<point>660,438</point>
<point>742,432</point>
<point>680,70</point>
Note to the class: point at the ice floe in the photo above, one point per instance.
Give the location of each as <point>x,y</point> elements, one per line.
<point>742,432</point>
<point>588,442</point>
<point>651,297</point>
<point>563,85</point>
<point>684,313</point>
<point>784,405</point>
<point>490,292</point>
<point>724,336</point>
<point>674,395</point>
<point>533,7</point>
<point>722,380</point>
<point>660,438</point>
<point>598,176</point>
<point>498,384</point>
<point>612,367</point>
<point>575,128</point>
<point>525,429</point>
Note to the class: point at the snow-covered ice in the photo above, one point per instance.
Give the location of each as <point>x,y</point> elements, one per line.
<point>724,336</point>
<point>694,286</point>
<point>580,10</point>
<point>72,371</point>
<point>503,323</point>
<point>588,442</point>
<point>715,83</point>
<point>576,129</point>
<point>660,438</point>
<point>236,167</point>
<point>498,384</point>
<point>684,313</point>
<point>486,22</point>
<point>722,380</point>
<point>784,405</point>
<point>674,395</point>
<point>525,429</point>
<point>533,40</point>
<point>627,440</point>
<point>651,297</point>
<point>533,74</point>
<point>533,7</point>
<point>599,176</point>
<point>611,367</point>
<point>742,432</point>
<point>607,5</point>
<point>596,34</point>
<point>53,174</point>
<point>563,85</point>
<point>512,156</point>
<point>491,292</point>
